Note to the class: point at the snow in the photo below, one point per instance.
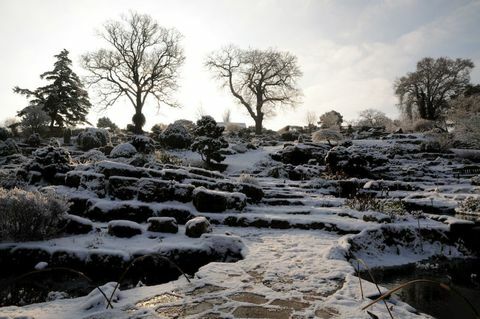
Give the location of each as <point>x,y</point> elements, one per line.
<point>308,266</point>
<point>123,150</point>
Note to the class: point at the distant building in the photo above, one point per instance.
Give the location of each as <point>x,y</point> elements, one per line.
<point>290,128</point>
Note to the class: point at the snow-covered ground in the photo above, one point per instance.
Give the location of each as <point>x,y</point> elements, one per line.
<point>300,271</point>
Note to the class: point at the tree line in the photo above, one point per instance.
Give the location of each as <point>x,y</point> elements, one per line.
<point>142,61</point>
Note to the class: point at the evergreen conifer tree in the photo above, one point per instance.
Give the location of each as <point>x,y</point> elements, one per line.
<point>64,100</point>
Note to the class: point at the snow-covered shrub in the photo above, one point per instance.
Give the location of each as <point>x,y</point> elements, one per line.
<point>166,158</point>
<point>92,138</point>
<point>143,144</point>
<point>34,140</point>
<point>123,150</point>
<point>67,136</point>
<point>209,140</point>
<point>8,147</point>
<point>247,179</point>
<point>368,202</point>
<point>91,156</point>
<point>54,142</point>
<point>289,136</point>
<point>475,180</point>
<point>4,133</point>
<point>28,215</point>
<point>327,135</point>
<point>50,160</point>
<point>175,136</point>
<point>470,205</point>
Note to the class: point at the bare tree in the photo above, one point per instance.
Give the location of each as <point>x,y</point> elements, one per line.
<point>373,118</point>
<point>428,89</point>
<point>311,118</point>
<point>142,61</point>
<point>260,80</point>
<point>226,116</point>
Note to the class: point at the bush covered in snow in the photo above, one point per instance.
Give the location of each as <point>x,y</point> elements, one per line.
<point>8,147</point>
<point>28,215</point>
<point>34,140</point>
<point>368,202</point>
<point>247,179</point>
<point>166,158</point>
<point>422,125</point>
<point>326,135</point>
<point>470,205</point>
<point>50,160</point>
<point>123,150</point>
<point>91,156</point>
<point>92,138</point>
<point>143,144</point>
<point>4,133</point>
<point>175,136</point>
<point>209,140</point>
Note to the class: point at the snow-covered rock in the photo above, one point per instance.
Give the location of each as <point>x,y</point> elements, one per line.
<point>197,226</point>
<point>206,200</point>
<point>124,228</point>
<point>162,225</point>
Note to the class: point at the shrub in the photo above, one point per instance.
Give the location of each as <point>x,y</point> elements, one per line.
<point>247,179</point>
<point>209,140</point>
<point>49,161</point>
<point>365,202</point>
<point>143,144</point>
<point>175,136</point>
<point>8,147</point>
<point>123,150</point>
<point>4,133</point>
<point>326,135</point>
<point>166,158</point>
<point>91,156</point>
<point>289,136</point>
<point>93,138</point>
<point>29,215</point>
<point>34,140</point>
<point>470,205</point>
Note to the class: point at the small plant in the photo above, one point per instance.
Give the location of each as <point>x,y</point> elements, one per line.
<point>166,158</point>
<point>470,205</point>
<point>247,179</point>
<point>209,140</point>
<point>364,202</point>
<point>28,215</point>
<point>327,135</point>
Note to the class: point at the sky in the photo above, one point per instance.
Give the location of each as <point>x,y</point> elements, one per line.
<point>350,51</point>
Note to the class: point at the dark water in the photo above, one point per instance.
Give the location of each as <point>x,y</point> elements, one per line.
<point>463,275</point>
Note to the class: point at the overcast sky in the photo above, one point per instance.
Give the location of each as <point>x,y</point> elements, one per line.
<point>349,51</point>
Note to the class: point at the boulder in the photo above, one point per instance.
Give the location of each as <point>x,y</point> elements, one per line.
<point>181,215</point>
<point>124,188</point>
<point>124,228</point>
<point>206,200</point>
<point>197,226</point>
<point>162,225</point>
<point>154,190</point>
<point>77,225</point>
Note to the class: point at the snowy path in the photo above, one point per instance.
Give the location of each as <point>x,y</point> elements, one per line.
<point>285,275</point>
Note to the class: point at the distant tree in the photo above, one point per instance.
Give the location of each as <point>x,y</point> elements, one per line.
<point>105,122</point>
<point>226,116</point>
<point>428,89</point>
<point>209,140</point>
<point>260,80</point>
<point>331,119</point>
<point>64,100</point>
<point>143,62</point>
<point>327,135</point>
<point>472,90</point>
<point>465,115</point>
<point>373,118</point>
<point>13,125</point>
<point>311,119</point>
<point>34,119</point>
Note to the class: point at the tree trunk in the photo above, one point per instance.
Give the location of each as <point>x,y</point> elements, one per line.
<point>258,125</point>
<point>138,119</point>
